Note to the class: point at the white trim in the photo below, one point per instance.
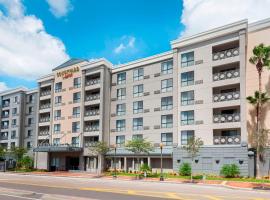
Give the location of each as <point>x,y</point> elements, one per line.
<point>46,78</point>
<point>15,90</point>
<point>144,61</point>
<point>213,33</point>
<point>258,25</point>
<point>95,63</point>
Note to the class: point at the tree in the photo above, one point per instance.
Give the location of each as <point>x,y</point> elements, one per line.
<point>100,149</point>
<point>261,59</point>
<point>193,147</point>
<point>18,153</point>
<point>139,146</point>
<point>27,162</point>
<point>2,152</point>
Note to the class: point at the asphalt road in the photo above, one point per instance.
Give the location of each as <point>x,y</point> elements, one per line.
<point>19,187</point>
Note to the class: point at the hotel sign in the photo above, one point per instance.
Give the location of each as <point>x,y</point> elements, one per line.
<point>68,73</point>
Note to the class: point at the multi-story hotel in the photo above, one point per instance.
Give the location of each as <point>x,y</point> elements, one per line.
<point>18,114</point>
<point>199,88</point>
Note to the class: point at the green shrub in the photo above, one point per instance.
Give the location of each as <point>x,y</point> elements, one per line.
<point>197,177</point>
<point>26,162</point>
<point>230,171</point>
<point>185,169</point>
<point>145,168</point>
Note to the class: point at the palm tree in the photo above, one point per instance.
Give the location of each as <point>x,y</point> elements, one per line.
<point>258,100</point>
<point>261,59</point>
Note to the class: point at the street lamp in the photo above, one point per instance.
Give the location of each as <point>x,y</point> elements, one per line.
<point>114,161</point>
<point>161,162</point>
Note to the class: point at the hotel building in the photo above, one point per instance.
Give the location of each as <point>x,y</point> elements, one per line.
<point>199,88</point>
<point>18,113</point>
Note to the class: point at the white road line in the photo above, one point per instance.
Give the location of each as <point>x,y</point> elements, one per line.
<point>20,197</point>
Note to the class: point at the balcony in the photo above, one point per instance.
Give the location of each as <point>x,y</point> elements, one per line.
<point>92,82</point>
<point>225,118</point>
<point>44,119</point>
<point>91,113</point>
<point>226,140</point>
<point>45,106</point>
<point>4,137</point>
<point>91,128</point>
<point>4,126</point>
<point>92,97</point>
<point>5,104</point>
<point>226,75</point>
<point>5,116</point>
<point>225,54</point>
<point>226,96</point>
<point>43,133</point>
<point>45,93</point>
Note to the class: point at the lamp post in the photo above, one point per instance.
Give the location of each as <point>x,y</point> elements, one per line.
<point>114,161</point>
<point>161,162</point>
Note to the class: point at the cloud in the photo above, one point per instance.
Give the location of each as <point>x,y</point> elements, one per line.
<point>60,8</point>
<point>26,49</point>
<point>202,15</point>
<point>127,42</point>
<point>3,86</point>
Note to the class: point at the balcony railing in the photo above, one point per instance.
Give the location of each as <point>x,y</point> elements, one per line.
<point>92,82</point>
<point>5,116</point>
<point>5,105</point>
<point>91,113</point>
<point>4,137</point>
<point>91,128</point>
<point>4,126</point>
<point>43,133</point>
<point>44,119</point>
<point>226,75</point>
<point>89,144</point>
<point>222,140</point>
<point>92,97</point>
<point>226,54</point>
<point>226,96</point>
<point>45,106</point>
<point>45,93</point>
<point>224,118</point>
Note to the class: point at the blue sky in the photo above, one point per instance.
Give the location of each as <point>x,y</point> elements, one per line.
<point>38,35</point>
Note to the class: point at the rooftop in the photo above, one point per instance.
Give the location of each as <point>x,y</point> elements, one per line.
<point>70,62</point>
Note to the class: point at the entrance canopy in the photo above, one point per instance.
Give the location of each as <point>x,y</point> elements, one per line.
<point>57,148</point>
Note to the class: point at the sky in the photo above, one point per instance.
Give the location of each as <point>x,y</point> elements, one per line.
<point>38,35</point>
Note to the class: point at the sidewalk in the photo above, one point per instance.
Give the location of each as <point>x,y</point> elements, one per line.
<point>229,184</point>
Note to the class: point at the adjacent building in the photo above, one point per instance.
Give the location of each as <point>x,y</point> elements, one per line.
<point>199,88</point>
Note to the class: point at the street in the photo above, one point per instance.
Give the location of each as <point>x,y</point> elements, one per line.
<point>17,187</point>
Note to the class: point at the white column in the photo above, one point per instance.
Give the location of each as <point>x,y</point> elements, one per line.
<point>133,164</point>
<point>125,164</point>
<point>119,163</point>
<point>149,161</point>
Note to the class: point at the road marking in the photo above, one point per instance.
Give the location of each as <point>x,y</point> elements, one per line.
<point>211,197</point>
<point>20,197</point>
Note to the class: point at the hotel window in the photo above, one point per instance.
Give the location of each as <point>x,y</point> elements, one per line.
<point>167,139</point>
<point>187,78</point>
<point>58,100</point>
<point>120,140</point>
<point>138,90</point>
<point>75,127</point>
<point>77,82</point>
<point>12,145</point>
<point>121,93</point>
<point>30,110</point>
<point>29,145</point>
<point>57,114</point>
<point>187,117</point>
<point>166,103</point>
<point>56,141</point>
<point>167,85</point>
<point>16,99</point>
<point>76,97</point>
<point>186,136</point>
<point>120,125</point>
<point>187,59</point>
<point>138,74</point>
<point>14,111</point>
<point>13,134</point>
<point>14,122</point>
<point>167,67</point>
<point>121,109</point>
<point>30,121</point>
<point>166,121</point>
<point>76,112</point>
<point>187,98</point>
<point>138,124</point>
<point>57,128</point>
<point>75,141</point>
<point>58,87</point>
<point>30,98</point>
<point>29,133</point>
<point>137,107</point>
<point>121,78</point>
<point>137,137</point>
